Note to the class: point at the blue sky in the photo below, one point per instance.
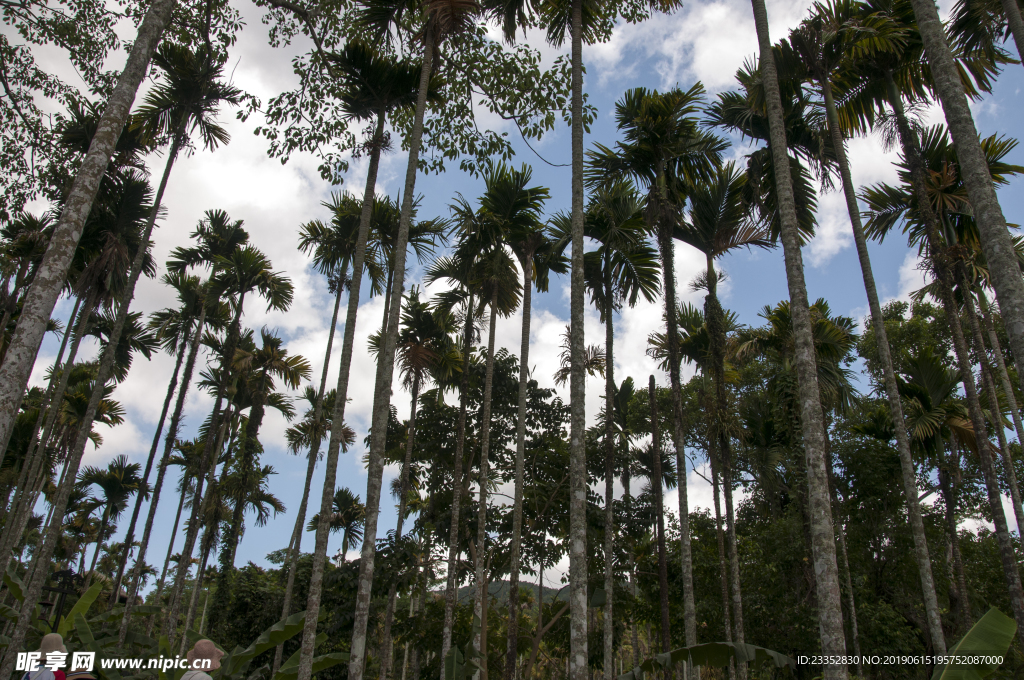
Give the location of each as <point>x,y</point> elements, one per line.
<point>705,41</point>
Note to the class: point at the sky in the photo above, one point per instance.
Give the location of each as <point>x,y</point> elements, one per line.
<point>706,41</point>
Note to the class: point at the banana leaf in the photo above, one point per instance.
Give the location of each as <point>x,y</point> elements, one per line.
<point>991,636</point>
<point>320,663</point>
<point>80,607</point>
<point>711,654</point>
<point>13,582</point>
<point>236,663</point>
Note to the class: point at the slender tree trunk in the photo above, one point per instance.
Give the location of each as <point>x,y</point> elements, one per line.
<point>962,606</point>
<point>314,451</point>
<point>96,553</point>
<point>480,603</point>
<point>578,654</point>
<point>1006,553</point>
<point>993,398</point>
<point>381,411</point>
<point>193,603</point>
<point>52,271</point>
<point>851,599</point>
<point>139,497</point>
<point>995,238</point>
<point>665,245</point>
<point>451,586</point>
<point>1016,24</point>
<point>823,547</point>
<point>609,474</point>
<point>921,555</point>
<point>167,561</point>
<point>715,318</point>
<point>1004,376</point>
<point>389,614</point>
<point>723,569</point>
<point>169,441</point>
<point>512,649</point>
<point>659,510</point>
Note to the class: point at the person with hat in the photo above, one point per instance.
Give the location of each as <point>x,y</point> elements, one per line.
<point>51,644</point>
<point>202,650</point>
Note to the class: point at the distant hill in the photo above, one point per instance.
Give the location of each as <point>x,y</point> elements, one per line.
<point>498,590</point>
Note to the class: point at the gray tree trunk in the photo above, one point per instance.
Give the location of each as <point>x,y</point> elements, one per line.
<point>1015,22</point>
<point>657,483</point>
<point>512,649</point>
<point>924,567</point>
<point>480,602</point>
<point>723,567</point>
<point>451,586</point>
<point>995,238</point>
<point>1004,376</point>
<point>381,411</point>
<point>50,276</point>
<point>823,547</point>
<point>578,655</point>
<point>609,475</point>
<point>389,614</point>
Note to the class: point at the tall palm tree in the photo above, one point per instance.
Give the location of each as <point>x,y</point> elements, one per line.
<point>378,16</point>
<point>425,351</point>
<point>664,148</point>
<point>826,569</point>
<point>719,221</point>
<point>118,483</point>
<point>623,268</point>
<point>39,302</point>
<point>217,236</point>
<point>995,238</point>
<point>246,270</point>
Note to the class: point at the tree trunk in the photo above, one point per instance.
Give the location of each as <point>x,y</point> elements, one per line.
<point>609,474</point>
<point>659,510</point>
<point>172,437</point>
<point>995,238</point>
<point>1016,24</point>
<point>1004,376</point>
<point>993,397</point>
<point>830,612</point>
<point>715,318</point>
<point>578,654</point>
<point>480,602</point>
<point>314,451</point>
<point>512,649</point>
<point>389,615</point>
<point>889,378</point>
<point>962,606</point>
<point>722,562</point>
<point>665,245</point>
<point>130,534</point>
<point>193,602</point>
<point>52,271</point>
<point>451,589</point>
<point>167,561</point>
<point>96,553</point>
<point>381,408</point>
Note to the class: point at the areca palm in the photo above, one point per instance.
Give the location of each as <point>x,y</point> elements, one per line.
<point>118,483</point>
<point>830,614</point>
<point>425,351</point>
<point>379,16</point>
<point>621,270</point>
<point>246,270</point>
<point>346,516</point>
<point>719,221</point>
<point>664,148</point>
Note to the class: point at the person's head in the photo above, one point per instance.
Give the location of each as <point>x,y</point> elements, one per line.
<point>52,642</point>
<point>80,675</point>
<point>204,649</point>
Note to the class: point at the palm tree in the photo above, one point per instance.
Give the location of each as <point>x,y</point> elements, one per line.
<point>623,268</point>
<point>826,569</point>
<point>23,244</point>
<point>39,302</point>
<point>262,366</point>
<point>719,222</point>
<point>664,148</point>
<point>246,270</point>
<point>117,483</point>
<point>217,236</point>
<point>346,516</point>
<point>995,238</point>
<point>976,25</point>
<point>378,17</point>
<point>425,351</point>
